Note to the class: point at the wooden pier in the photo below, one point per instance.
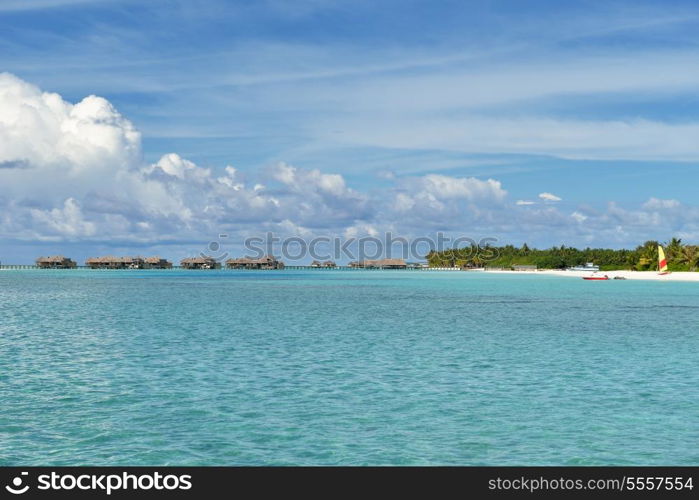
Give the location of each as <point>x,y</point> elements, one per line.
<point>174,268</point>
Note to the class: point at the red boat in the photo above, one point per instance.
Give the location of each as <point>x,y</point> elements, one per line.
<point>596,278</point>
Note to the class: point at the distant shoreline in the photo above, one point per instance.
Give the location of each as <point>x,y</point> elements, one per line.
<point>629,275</point>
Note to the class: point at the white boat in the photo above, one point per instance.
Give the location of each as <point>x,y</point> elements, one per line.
<point>589,266</point>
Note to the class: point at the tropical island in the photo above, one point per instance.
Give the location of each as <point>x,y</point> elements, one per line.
<point>680,257</point>
<point>652,257</point>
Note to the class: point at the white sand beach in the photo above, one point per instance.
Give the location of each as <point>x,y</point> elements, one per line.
<point>630,275</point>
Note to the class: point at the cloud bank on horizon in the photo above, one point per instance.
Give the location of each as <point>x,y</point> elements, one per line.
<point>547,123</point>
<point>75,172</point>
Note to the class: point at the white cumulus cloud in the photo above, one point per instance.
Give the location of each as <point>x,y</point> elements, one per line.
<point>40,128</point>
<point>658,204</point>
<point>75,172</point>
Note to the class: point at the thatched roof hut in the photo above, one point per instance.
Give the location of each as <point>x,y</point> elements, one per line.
<point>392,264</point>
<point>266,262</point>
<point>156,263</point>
<point>329,263</point>
<point>386,264</point>
<point>92,262</point>
<point>202,262</point>
<point>114,262</point>
<point>55,262</point>
<point>316,263</point>
<point>241,263</point>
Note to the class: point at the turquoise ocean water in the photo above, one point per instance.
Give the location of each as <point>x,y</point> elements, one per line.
<point>345,367</point>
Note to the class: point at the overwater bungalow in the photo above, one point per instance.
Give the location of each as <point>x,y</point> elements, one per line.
<point>385,264</point>
<point>204,262</point>
<point>156,263</point>
<point>267,262</point>
<point>132,262</point>
<point>241,263</point>
<point>316,263</point>
<point>99,262</point>
<point>114,262</point>
<point>328,263</point>
<point>55,262</point>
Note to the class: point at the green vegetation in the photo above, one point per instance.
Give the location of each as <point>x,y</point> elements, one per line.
<point>680,257</point>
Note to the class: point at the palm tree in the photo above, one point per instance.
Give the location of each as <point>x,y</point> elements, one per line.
<point>477,261</point>
<point>674,248</point>
<point>648,254</point>
<point>689,256</point>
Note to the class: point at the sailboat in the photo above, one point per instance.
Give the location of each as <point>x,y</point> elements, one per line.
<point>662,262</point>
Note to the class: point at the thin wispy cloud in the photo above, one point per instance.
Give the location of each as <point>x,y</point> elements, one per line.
<point>549,197</point>
<point>28,5</point>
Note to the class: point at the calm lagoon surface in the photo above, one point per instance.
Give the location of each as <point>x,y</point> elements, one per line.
<point>345,367</point>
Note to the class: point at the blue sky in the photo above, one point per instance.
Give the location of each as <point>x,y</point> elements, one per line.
<point>594,102</point>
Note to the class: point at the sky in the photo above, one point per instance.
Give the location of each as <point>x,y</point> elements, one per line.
<point>131,127</point>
